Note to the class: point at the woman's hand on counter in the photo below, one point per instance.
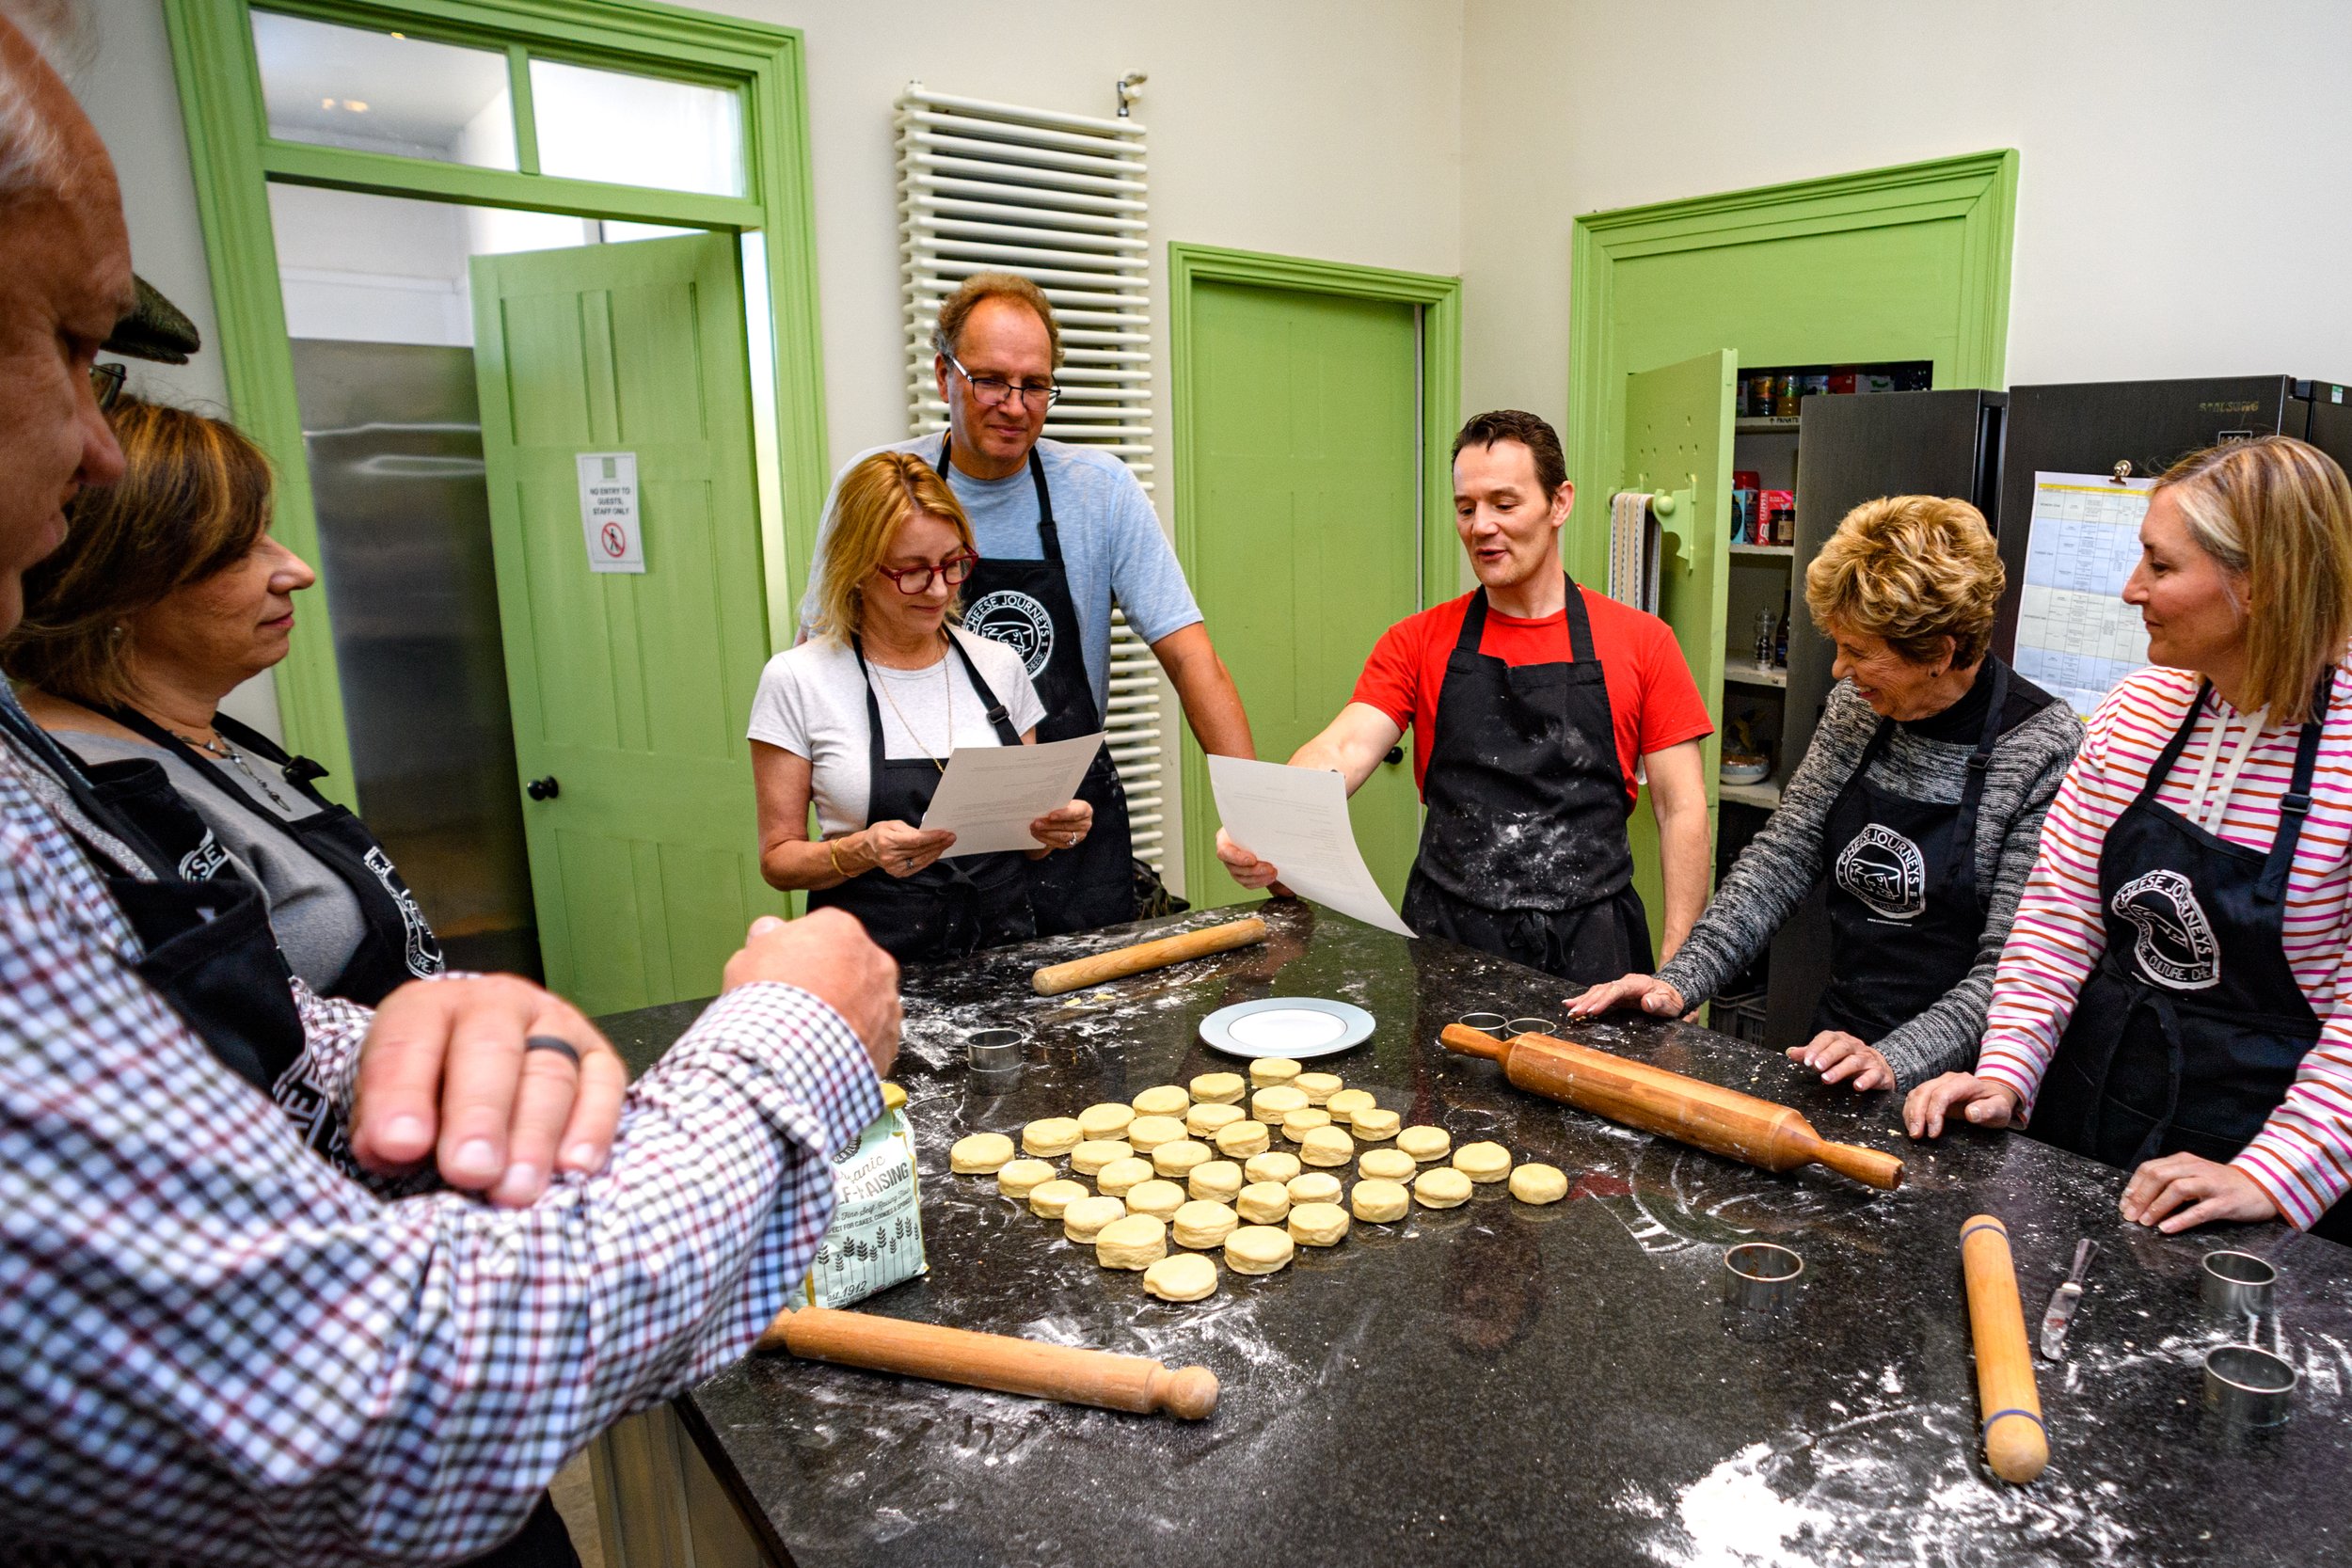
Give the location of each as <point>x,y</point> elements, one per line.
<point>901,850</point>
<point>1839,1056</point>
<point>1064,828</point>
<point>827,953</point>
<point>2211,1192</point>
<point>1645,991</point>
<point>1962,1096</point>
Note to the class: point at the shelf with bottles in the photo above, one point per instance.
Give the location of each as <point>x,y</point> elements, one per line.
<point>1772,397</point>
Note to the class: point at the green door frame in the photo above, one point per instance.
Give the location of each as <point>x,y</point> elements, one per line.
<point>1979,189</point>
<point>234,158</point>
<point>1440,301</point>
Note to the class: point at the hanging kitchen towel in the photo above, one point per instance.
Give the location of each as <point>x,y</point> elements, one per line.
<point>1633,544</point>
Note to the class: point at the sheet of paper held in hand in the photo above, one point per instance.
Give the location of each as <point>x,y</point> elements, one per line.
<point>990,794</point>
<point>1295,819</point>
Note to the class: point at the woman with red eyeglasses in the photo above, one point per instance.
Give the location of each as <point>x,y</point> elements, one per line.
<point>861,721</point>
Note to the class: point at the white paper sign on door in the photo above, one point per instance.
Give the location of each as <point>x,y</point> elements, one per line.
<point>607,512</point>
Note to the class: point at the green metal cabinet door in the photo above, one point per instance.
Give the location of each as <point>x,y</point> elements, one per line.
<point>1679,426</point>
<point>629,690</point>
<point>1307,547</point>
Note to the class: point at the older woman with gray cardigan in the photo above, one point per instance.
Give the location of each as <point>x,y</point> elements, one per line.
<point>1920,800</point>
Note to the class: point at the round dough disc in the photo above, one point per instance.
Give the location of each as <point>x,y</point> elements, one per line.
<point>1326,1145</point>
<point>1378,1201</point>
<point>1482,1162</point>
<point>1052,1136</point>
<point>1317,1087</point>
<point>1158,1199</point>
<point>1049,1199</point>
<point>1203,1224</point>
<point>1136,1242</point>
<point>1441,1187</point>
<point>1425,1143</point>
<point>1085,1219</point>
<point>1539,1184</point>
<point>1347,1102</point>
<point>1272,1069</point>
<point>1120,1177</point>
<point>1372,1124</point>
<point>1319,1223</point>
<point>1317,1186</point>
<point>1186,1277</point>
<point>1271,1167</point>
<point>1258,1250</point>
<point>1089,1158</point>
<point>1218,1088</point>
<point>1178,1159</point>
<point>1203,1121</point>
<point>1148,1133</point>
<point>1271,1105</point>
<point>1218,1180</point>
<point>1299,1123</point>
<point>1108,1119</point>
<point>1264,1202</point>
<point>1164,1099</point>
<point>1386,1164</point>
<point>1242,1139</point>
<point>1023,1177</point>
<point>980,1154</point>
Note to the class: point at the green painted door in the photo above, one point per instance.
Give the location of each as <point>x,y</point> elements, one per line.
<point>629,690</point>
<point>1677,425</point>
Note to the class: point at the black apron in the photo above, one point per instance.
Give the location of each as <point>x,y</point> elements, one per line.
<point>1523,852</point>
<point>2189,1033</point>
<point>1906,914</point>
<point>397,944</point>
<point>951,907</point>
<point>1027,606</point>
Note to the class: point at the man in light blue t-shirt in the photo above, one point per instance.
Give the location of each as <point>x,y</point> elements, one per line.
<point>1064,533</point>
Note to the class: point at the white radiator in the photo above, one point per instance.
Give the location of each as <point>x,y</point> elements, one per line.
<point>1059,199</point>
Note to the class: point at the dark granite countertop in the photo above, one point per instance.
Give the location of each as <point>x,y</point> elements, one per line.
<point>1504,1384</point>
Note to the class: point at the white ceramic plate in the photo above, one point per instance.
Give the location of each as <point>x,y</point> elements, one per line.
<point>1292,1026</point>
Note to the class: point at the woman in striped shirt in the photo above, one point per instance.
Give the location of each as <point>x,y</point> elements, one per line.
<point>2176,993</point>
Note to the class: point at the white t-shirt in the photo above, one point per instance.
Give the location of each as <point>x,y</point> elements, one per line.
<point>812,703</point>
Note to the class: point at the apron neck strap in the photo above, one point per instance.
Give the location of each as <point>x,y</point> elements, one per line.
<point>1580,623</point>
<point>1048,536</point>
<point>43,751</point>
<point>1963,847</point>
<point>2166,758</point>
<point>2296,804</point>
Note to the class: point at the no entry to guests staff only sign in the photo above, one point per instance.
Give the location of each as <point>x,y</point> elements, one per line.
<point>607,512</point>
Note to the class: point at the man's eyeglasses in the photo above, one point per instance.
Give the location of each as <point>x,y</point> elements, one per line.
<point>995,390</point>
<point>917,580</point>
<point>106,383</point>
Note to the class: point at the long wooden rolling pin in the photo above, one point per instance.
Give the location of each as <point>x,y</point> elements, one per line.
<point>1720,1120</point>
<point>2016,1444</point>
<point>999,1361</point>
<point>1119,962</point>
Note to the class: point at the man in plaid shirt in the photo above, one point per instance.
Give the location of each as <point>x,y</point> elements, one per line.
<point>215,1345</point>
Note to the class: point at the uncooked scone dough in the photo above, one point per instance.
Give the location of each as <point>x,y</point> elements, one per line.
<point>1203,1224</point>
<point>1118,1177</point>
<point>1218,1180</point>
<point>1218,1088</point>
<point>1085,1219</point>
<point>1344,1104</point>
<point>1299,1123</point>
<point>1386,1164</point>
<point>1136,1242</point>
<point>1425,1143</point>
<point>1050,1137</point>
<point>980,1154</point>
<point>1162,1099</point>
<point>1242,1139</point>
<point>1158,1199</point>
<point>1271,1167</point>
<point>1372,1124</point>
<point>1177,1159</point>
<point>1441,1187</point>
<point>1023,1177</point>
<point>1318,1224</point>
<point>1378,1201</point>
<point>1108,1119</point>
<point>1326,1145</point>
<point>1258,1250</point>
<point>1089,1157</point>
<point>1271,1105</point>
<point>1482,1162</point>
<point>1317,1087</point>
<point>1272,1069</point>
<point>1539,1184</point>
<point>1317,1186</point>
<point>1148,1133</point>
<point>1186,1277</point>
<point>1203,1121</point>
<point>1264,1202</point>
<point>1049,1199</point>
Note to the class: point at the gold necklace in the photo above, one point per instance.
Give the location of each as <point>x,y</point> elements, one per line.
<point>947,679</point>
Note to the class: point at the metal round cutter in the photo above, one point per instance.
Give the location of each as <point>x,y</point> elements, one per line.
<point>2247,1385</point>
<point>1518,1026</point>
<point>1762,1276</point>
<point>2235,1282</point>
<point>996,1049</point>
<point>1486,1023</point>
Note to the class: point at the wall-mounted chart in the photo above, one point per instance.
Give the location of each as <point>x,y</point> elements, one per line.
<point>2075,636</point>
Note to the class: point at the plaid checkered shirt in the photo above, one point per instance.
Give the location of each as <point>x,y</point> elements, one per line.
<point>216,1347</point>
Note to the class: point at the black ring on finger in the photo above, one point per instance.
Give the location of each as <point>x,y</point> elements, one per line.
<point>552,1042</point>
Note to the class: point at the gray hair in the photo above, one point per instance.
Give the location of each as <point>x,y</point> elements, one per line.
<point>32,148</point>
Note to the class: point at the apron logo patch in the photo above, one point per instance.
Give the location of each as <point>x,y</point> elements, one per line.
<point>1019,621</point>
<point>1886,871</point>
<point>2176,947</point>
<point>424,954</point>
<point>205,861</point>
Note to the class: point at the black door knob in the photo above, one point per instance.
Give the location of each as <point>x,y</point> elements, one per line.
<point>1396,754</point>
<point>543,789</point>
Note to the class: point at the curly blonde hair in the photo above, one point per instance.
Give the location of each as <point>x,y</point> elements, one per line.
<point>876,498</point>
<point>1912,570</point>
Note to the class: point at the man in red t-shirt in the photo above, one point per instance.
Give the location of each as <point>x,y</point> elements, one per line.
<point>1534,704</point>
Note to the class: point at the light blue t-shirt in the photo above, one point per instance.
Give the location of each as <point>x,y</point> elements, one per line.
<point>1112,548</point>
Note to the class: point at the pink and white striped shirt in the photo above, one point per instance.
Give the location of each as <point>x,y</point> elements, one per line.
<point>2303,1156</point>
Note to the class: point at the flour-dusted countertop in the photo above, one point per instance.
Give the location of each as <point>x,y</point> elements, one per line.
<point>1500,1383</point>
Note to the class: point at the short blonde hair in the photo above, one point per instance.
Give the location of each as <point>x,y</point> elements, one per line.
<point>877,496</point>
<point>2277,514</point>
<point>981,287</point>
<point>1912,570</point>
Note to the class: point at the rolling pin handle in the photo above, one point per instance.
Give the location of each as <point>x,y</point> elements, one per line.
<point>1467,1041</point>
<point>1872,1168</point>
<point>1188,1393</point>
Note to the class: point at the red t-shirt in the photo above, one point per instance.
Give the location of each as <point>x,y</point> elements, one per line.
<point>1652,699</point>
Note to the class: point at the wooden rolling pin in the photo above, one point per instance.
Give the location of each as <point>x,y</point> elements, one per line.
<point>997,1361</point>
<point>2016,1444</point>
<point>1720,1120</point>
<point>1119,962</point>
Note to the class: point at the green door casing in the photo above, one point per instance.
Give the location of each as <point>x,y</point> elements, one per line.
<point>1306,436</point>
<point>629,690</point>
